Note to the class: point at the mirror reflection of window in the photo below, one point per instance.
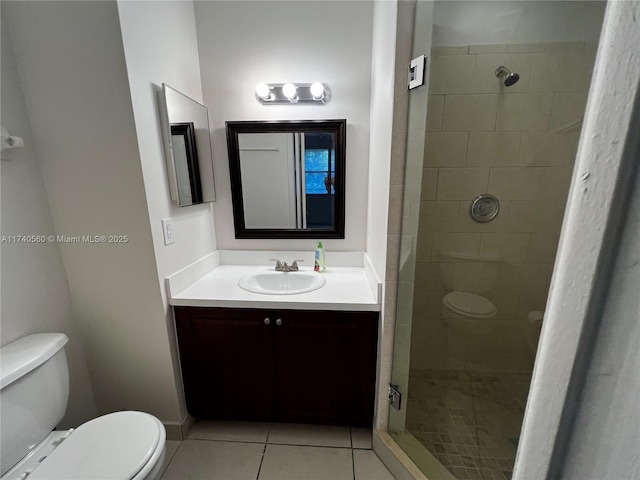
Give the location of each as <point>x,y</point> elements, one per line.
<point>287,178</point>
<point>319,174</point>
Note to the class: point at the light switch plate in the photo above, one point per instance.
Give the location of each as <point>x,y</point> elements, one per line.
<point>167,231</point>
<point>416,72</point>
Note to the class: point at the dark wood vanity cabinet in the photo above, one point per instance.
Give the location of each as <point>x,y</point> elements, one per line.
<point>226,357</point>
<point>278,365</point>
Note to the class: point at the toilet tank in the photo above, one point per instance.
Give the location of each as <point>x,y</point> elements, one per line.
<point>34,389</point>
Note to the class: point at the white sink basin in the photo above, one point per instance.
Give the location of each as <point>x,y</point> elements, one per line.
<point>281,283</point>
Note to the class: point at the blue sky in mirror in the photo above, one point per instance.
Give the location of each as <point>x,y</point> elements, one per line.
<point>316,165</point>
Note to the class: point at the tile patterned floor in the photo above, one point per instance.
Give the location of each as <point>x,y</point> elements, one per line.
<point>261,451</point>
<point>470,421</point>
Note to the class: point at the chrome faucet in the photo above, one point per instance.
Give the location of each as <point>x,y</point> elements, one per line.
<point>278,264</point>
<point>283,267</point>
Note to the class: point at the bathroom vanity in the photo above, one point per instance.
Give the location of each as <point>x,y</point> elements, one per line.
<point>278,365</point>
<point>304,358</point>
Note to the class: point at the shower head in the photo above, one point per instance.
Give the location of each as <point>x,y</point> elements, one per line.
<point>510,78</point>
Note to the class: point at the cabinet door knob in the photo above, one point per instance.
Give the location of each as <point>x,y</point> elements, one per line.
<point>279,321</point>
<point>267,321</point>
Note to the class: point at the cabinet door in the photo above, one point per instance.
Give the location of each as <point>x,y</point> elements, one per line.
<point>326,367</point>
<point>227,363</point>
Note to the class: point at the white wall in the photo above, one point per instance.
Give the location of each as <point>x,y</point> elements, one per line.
<point>244,43</point>
<point>160,46</point>
<point>476,22</point>
<point>381,122</point>
<point>72,67</point>
<point>35,294</point>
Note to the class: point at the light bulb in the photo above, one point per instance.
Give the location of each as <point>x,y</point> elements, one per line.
<point>289,91</point>
<point>263,90</point>
<point>317,90</point>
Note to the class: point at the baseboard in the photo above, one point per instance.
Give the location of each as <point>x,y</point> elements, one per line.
<point>178,431</point>
<point>187,424</point>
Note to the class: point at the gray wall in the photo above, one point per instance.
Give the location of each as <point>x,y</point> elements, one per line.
<point>72,68</point>
<point>35,293</point>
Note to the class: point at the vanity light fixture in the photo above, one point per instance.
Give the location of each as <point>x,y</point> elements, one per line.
<point>317,90</point>
<point>263,91</point>
<point>293,93</point>
<point>290,91</point>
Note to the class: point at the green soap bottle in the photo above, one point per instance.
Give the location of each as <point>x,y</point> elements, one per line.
<point>318,263</point>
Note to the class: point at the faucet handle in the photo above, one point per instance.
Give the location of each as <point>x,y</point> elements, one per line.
<point>278,263</point>
<point>294,265</point>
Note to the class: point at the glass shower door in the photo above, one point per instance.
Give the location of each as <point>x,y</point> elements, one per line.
<point>481,224</point>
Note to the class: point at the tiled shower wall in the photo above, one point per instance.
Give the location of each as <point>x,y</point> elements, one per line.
<point>519,144</point>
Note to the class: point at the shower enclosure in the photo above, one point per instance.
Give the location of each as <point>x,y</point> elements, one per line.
<point>491,140</point>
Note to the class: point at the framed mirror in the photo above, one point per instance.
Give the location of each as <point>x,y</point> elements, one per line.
<point>288,178</point>
<point>185,125</point>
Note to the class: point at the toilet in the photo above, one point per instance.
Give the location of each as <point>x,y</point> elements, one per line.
<point>466,311</point>
<point>34,390</point>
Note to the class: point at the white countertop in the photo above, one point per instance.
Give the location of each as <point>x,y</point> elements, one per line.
<point>346,288</point>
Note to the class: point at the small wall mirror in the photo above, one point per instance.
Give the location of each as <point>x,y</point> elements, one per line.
<point>287,178</point>
<point>185,125</point>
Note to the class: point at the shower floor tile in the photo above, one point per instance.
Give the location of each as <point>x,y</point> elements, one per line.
<point>469,420</point>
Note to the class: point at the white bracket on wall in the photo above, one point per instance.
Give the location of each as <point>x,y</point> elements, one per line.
<point>416,72</point>
<point>10,141</point>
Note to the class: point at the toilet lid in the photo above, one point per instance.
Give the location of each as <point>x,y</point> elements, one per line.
<point>470,304</point>
<point>114,447</point>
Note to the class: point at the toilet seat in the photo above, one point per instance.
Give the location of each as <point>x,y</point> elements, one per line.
<point>469,305</point>
<point>118,446</point>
